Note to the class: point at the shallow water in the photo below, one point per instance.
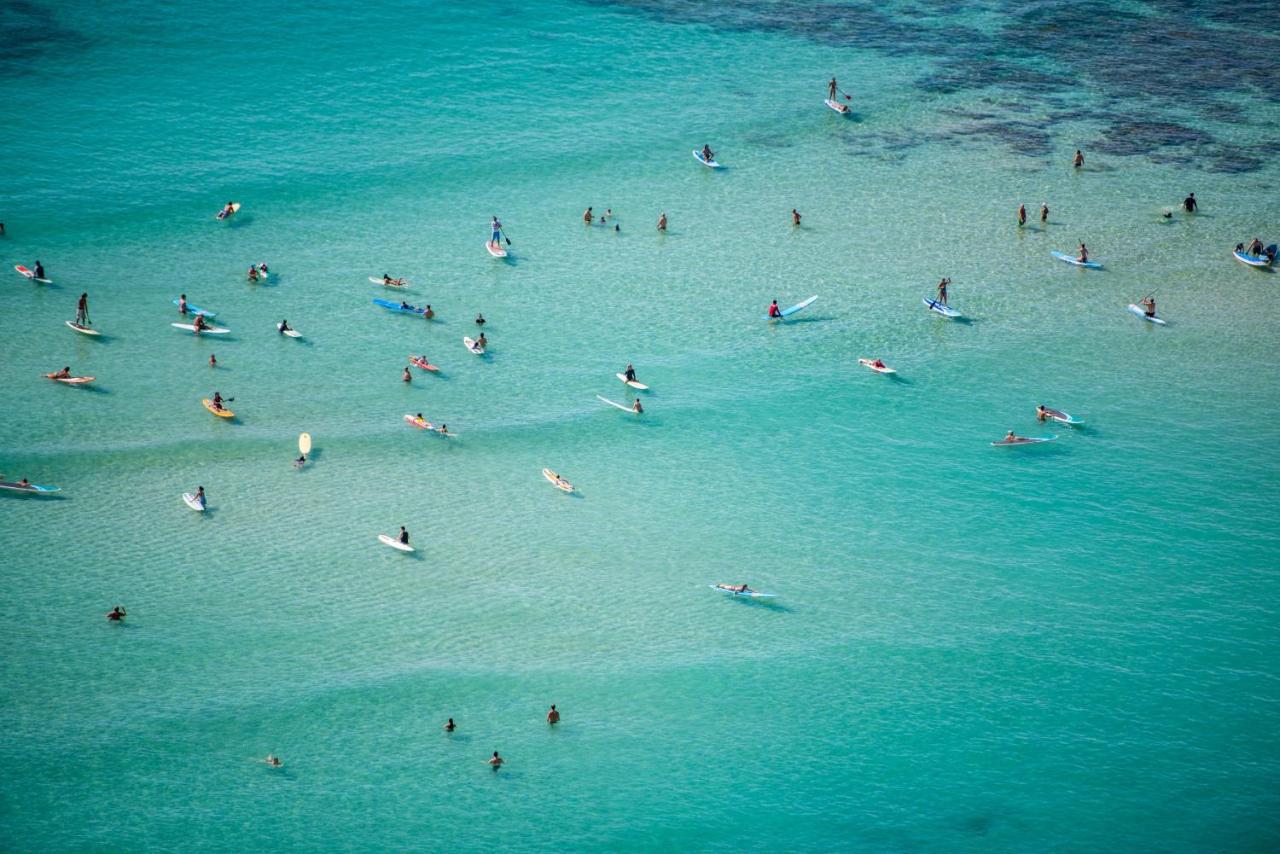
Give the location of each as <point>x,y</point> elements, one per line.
<point>972,647</point>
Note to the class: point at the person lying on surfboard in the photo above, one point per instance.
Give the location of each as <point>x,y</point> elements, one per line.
<point>735,588</point>
<point>62,374</point>
<point>227,210</point>
<point>387,280</point>
<point>707,154</point>
<point>1083,255</point>
<point>774,311</point>
<point>876,363</point>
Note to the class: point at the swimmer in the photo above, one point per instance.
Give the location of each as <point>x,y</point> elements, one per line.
<point>116,614</point>
<point>662,221</point>
<point>406,376</point>
<point>496,760</point>
<point>1044,212</point>
<point>300,461</point>
<point>450,726</point>
<point>213,361</point>
<point>1022,214</point>
<point>1189,204</point>
<point>480,321</point>
<point>795,217</point>
<point>272,760</point>
<point>588,217</point>
<point>553,717</point>
<point>428,313</point>
<point>1078,160</point>
<point>253,274</point>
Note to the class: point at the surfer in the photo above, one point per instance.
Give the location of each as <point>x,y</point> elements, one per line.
<point>213,361</point>
<point>480,321</point>
<point>199,496</point>
<point>182,304</point>
<point>832,89</point>
<point>1189,204</point>
<point>662,221</point>
<point>1044,212</point>
<point>116,614</point>
<point>39,270</point>
<point>1149,306</point>
<point>227,210</point>
<point>482,342</point>
<point>636,407</point>
<point>428,313</point>
<point>942,290</point>
<point>1022,214</point>
<point>629,373</point>
<point>735,588</point>
<point>774,311</point>
<point>1255,248</point>
<point>450,726</point>
<point>496,760</point>
<point>284,327</point>
<point>24,483</point>
<point>387,280</point>
<point>1042,414</point>
<point>407,377</point>
<point>82,310</point>
<point>1078,161</point>
<point>217,401</point>
<point>1010,437</point>
<point>588,217</point>
<point>272,760</point>
<point>253,273</point>
<point>707,154</point>
<point>496,228</point>
<point>795,217</point>
<point>877,363</point>
<point>63,374</point>
<point>420,419</point>
<point>199,324</point>
<point>1082,255</point>
<point>404,535</point>
<point>553,717</point>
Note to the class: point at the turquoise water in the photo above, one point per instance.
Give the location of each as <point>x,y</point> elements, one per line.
<point>1071,646</point>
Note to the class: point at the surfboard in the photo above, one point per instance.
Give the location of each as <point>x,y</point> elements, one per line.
<point>870,364</point>
<point>193,502</point>
<point>378,281</point>
<point>394,543</point>
<point>557,481</point>
<point>1071,259</point>
<point>944,310</point>
<point>752,594</point>
<point>800,306</point>
<point>1252,260</point>
<point>1141,312</point>
<point>495,249</point>
<point>292,333</point>
<point>83,330</point>
<point>304,443</point>
<point>208,330</point>
<point>840,108</point>
<point>711,164</point>
<point>1023,440</point>
<point>617,405</point>
<point>632,383</point>
<point>473,346</point>
<point>70,380</point>
<point>222,214</point>
<point>30,488</point>
<point>23,271</point>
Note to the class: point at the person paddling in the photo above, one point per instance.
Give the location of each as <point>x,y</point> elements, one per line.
<point>496,228</point>
<point>1082,255</point>
<point>1149,306</point>
<point>707,154</point>
<point>774,311</point>
<point>82,310</point>
<point>942,290</point>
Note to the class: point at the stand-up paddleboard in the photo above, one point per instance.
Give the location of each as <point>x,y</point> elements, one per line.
<point>632,383</point>
<point>944,310</point>
<point>82,329</point>
<point>378,281</point>
<point>394,543</point>
<point>842,109</point>
<point>422,363</point>
<point>870,363</point>
<point>70,380</point>
<point>1071,259</point>
<point>1253,260</point>
<point>221,413</point>
<point>495,249</point>
<point>208,330</point>
<point>1022,440</point>
<point>395,306</point>
<point>23,271</point>
<point>30,488</point>
<point>557,481</point>
<point>473,346</point>
<point>1141,312</point>
<point>752,594</point>
<point>222,214</point>
<point>304,443</point>
<point>192,309</point>
<point>787,312</point>
<point>194,503</point>
<point>1062,417</point>
<point>712,164</point>
<point>292,333</point>
<point>617,405</point>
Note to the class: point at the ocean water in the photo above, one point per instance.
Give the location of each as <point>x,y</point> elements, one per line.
<point>1072,646</point>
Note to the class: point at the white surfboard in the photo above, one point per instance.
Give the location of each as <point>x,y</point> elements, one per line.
<point>557,481</point>
<point>870,363</point>
<point>473,346</point>
<point>304,443</point>
<point>193,502</point>
<point>496,250</point>
<point>632,383</point>
<point>394,543</point>
<point>378,281</point>
<point>292,333</point>
<point>208,330</point>
<point>83,330</point>
<point>617,405</point>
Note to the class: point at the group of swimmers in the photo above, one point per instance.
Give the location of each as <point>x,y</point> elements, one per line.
<point>588,217</point>
<point>258,272</point>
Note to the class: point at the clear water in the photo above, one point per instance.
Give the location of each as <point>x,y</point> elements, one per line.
<point>1068,646</point>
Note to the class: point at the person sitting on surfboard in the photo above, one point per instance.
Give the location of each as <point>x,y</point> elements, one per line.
<point>629,373</point>
<point>1149,305</point>
<point>1189,204</point>
<point>284,327</point>
<point>877,363</point>
<point>636,407</point>
<point>62,374</point>
<point>1009,437</point>
<point>480,321</point>
<point>1042,413</point>
<point>116,614</point>
<point>404,536</point>
<point>707,154</point>
<point>942,290</point>
<point>199,323</point>
<point>1083,254</point>
<point>39,270</point>
<point>774,311</point>
<point>482,342</point>
<point>420,419</point>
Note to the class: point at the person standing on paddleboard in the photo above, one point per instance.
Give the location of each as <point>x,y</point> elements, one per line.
<point>832,88</point>
<point>496,228</point>
<point>1149,306</point>
<point>82,310</point>
<point>942,290</point>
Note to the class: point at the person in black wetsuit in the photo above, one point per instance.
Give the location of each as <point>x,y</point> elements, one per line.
<point>404,536</point>
<point>1189,204</point>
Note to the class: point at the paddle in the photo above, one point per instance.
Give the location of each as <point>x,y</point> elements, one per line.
<point>847,96</point>
<point>504,236</point>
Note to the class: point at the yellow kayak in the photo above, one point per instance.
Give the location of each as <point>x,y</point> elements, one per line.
<point>221,413</point>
